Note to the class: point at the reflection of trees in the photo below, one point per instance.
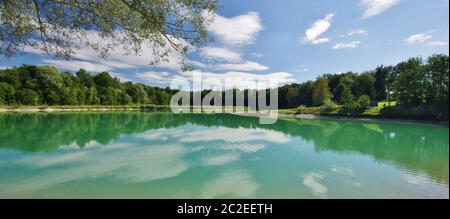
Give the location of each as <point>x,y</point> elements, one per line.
<point>415,147</point>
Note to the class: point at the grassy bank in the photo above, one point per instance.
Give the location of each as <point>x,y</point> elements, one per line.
<point>62,108</point>
<point>381,111</point>
<point>45,108</point>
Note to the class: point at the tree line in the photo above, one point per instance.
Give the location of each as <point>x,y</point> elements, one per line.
<point>45,85</point>
<point>412,83</point>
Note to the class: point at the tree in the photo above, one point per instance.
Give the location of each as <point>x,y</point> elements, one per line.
<point>364,84</point>
<point>57,27</point>
<point>321,92</point>
<point>410,86</point>
<point>291,96</point>
<point>334,81</point>
<point>380,85</point>
<point>104,79</point>
<point>124,98</point>
<point>363,102</point>
<point>7,93</point>
<point>305,93</point>
<point>343,93</point>
<point>27,97</point>
<point>85,78</point>
<point>163,98</point>
<point>11,76</point>
<point>136,92</point>
<point>438,74</point>
<point>347,97</point>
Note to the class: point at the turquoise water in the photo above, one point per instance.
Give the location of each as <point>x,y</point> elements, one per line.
<point>164,155</point>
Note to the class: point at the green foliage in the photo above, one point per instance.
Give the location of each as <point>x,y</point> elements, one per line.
<point>364,85</point>
<point>438,74</point>
<point>32,85</point>
<point>344,87</point>
<point>342,91</point>
<point>329,106</point>
<point>27,97</point>
<point>410,83</point>
<point>57,26</point>
<point>386,104</point>
<point>381,82</point>
<point>7,94</point>
<point>363,102</point>
<point>301,109</point>
<point>417,113</point>
<point>321,92</point>
<point>124,98</point>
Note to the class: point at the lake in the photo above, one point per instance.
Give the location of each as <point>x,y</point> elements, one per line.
<point>165,155</point>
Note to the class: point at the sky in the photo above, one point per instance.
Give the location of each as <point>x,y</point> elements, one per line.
<point>291,40</point>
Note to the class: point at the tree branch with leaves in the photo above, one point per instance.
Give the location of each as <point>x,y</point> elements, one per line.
<point>57,26</point>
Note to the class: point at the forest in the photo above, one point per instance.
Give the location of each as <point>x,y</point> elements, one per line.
<point>46,85</point>
<point>414,84</point>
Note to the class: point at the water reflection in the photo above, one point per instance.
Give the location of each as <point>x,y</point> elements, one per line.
<point>214,155</point>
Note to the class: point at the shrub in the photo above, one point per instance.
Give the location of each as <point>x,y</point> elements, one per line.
<point>363,102</point>
<point>301,109</point>
<point>329,106</point>
<point>351,106</point>
<point>27,97</point>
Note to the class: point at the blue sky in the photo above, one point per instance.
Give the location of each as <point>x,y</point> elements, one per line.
<point>291,40</point>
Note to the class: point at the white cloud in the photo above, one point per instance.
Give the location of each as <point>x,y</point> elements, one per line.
<point>119,58</point>
<point>356,32</point>
<point>229,135</point>
<point>418,38</point>
<point>437,44</point>
<point>353,44</point>
<point>376,7</point>
<point>246,66</point>
<point>75,65</point>
<point>240,79</point>
<point>124,162</point>
<point>122,77</point>
<point>162,78</point>
<point>311,180</point>
<point>239,30</point>
<point>320,41</point>
<point>236,184</point>
<point>319,27</point>
<point>210,79</point>
<point>221,54</point>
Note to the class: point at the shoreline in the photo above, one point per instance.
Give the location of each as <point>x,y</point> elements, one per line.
<point>143,108</point>
<point>36,110</point>
<point>87,108</point>
<point>347,118</point>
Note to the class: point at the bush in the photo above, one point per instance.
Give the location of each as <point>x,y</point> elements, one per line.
<point>27,97</point>
<point>363,102</point>
<point>352,106</point>
<point>329,106</point>
<point>301,109</point>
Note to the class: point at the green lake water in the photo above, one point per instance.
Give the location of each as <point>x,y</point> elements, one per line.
<point>165,155</point>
